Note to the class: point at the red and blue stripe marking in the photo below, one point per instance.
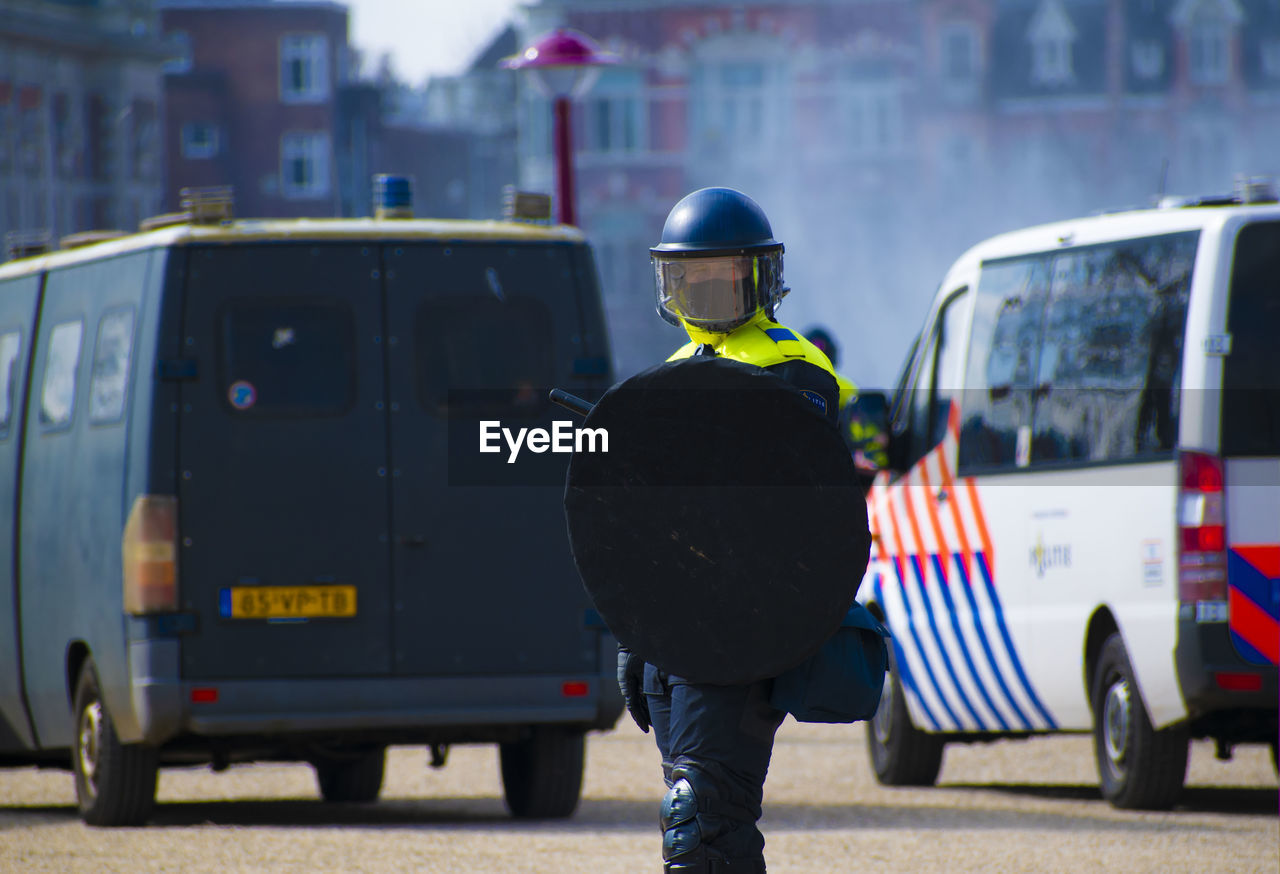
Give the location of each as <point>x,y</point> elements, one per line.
<point>1253,602</point>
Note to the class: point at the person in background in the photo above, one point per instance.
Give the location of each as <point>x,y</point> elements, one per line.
<point>864,437</point>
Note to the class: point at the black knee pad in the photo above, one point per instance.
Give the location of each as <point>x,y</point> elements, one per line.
<point>681,834</point>
<point>696,811</point>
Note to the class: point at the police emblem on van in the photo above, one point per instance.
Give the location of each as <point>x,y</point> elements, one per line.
<point>1046,557</point>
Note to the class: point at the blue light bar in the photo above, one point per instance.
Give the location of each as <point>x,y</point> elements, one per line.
<point>392,196</point>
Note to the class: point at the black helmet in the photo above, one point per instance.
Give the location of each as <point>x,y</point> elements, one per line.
<point>820,337</point>
<point>718,263</point>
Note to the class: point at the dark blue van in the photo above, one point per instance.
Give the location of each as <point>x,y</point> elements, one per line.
<point>233,525</point>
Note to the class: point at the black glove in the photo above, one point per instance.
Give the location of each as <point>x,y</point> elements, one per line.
<point>631,684</point>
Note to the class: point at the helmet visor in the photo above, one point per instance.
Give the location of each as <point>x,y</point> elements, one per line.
<point>716,294</point>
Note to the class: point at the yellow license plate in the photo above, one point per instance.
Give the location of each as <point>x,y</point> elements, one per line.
<point>287,602</point>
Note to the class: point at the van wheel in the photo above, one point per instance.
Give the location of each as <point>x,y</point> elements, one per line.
<point>542,774</point>
<point>353,777</point>
<point>1139,768</point>
<point>901,754</point>
<point>115,782</point>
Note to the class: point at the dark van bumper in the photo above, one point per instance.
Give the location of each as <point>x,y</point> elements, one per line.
<point>1215,706</point>
<point>165,707</point>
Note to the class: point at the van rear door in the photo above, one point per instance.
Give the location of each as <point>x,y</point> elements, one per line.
<point>484,582</point>
<point>283,490</point>
<point>1250,443</point>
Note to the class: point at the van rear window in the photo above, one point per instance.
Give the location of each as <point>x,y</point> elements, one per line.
<point>1251,381</point>
<point>287,358</point>
<point>480,356</point>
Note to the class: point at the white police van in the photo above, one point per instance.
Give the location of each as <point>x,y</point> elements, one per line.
<point>1080,526</point>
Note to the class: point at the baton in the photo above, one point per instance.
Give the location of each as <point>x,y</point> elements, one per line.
<point>572,403</point>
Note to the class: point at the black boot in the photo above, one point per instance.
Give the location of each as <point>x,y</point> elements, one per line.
<point>704,865</point>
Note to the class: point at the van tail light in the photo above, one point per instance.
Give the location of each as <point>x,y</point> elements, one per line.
<point>150,552</point>
<point>1238,681</point>
<point>1202,529</point>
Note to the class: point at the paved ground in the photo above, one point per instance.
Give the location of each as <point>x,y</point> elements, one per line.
<point>1028,807</point>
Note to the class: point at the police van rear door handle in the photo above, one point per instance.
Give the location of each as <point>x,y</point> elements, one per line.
<point>411,539</point>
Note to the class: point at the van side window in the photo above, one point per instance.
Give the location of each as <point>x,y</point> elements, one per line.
<point>10,346</point>
<point>62,360</point>
<point>1111,354</point>
<point>484,356</point>
<point>280,358</point>
<point>1002,367</point>
<point>1077,355</point>
<point>109,384</point>
<point>929,402</point>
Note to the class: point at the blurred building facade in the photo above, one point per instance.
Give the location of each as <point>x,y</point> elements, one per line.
<point>479,105</point>
<point>252,101</point>
<point>267,97</point>
<point>80,110</point>
<point>883,137</point>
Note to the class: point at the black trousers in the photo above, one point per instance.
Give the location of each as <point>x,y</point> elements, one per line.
<point>727,731</point>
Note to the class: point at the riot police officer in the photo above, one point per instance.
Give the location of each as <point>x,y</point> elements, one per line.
<point>718,273</point>
<point>857,425</point>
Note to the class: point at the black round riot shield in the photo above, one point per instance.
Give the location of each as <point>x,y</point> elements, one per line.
<point>723,535</point>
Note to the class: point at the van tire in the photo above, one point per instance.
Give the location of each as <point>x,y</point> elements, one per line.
<point>115,782</point>
<point>1139,768</point>
<point>901,754</point>
<point>351,778</point>
<point>542,774</point>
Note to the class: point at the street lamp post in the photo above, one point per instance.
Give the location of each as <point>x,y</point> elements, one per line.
<point>563,65</point>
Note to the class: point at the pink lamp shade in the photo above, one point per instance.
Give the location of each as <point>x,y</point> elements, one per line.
<point>563,63</point>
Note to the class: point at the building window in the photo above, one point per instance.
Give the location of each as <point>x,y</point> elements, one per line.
<point>1147,58</point>
<point>146,140</point>
<point>871,118</point>
<point>959,156</point>
<point>730,108</point>
<point>200,139</point>
<point>179,61</point>
<point>103,139</point>
<point>304,165</point>
<point>1208,50</point>
<point>1270,53</point>
<point>6,144</point>
<point>304,68</point>
<point>613,116</point>
<point>960,52</point>
<point>740,105</point>
<point>742,99</point>
<point>68,138</point>
<point>30,135</point>
<point>1051,35</point>
<point>612,124</point>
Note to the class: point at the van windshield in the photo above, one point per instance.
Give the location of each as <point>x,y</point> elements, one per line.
<point>1251,382</point>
